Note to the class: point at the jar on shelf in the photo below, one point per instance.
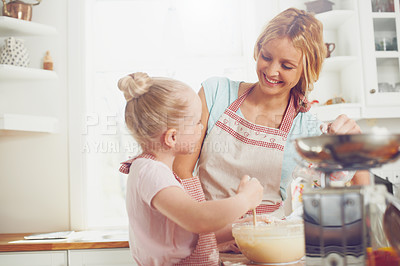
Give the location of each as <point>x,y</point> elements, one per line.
<point>14,53</point>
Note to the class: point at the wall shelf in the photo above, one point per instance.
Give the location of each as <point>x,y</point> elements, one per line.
<point>11,123</point>
<point>387,54</point>
<point>17,27</point>
<point>331,112</point>
<point>10,72</point>
<point>17,122</point>
<point>337,63</point>
<point>383,14</point>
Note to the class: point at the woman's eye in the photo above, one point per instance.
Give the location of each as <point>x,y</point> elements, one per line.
<point>287,67</point>
<point>265,57</point>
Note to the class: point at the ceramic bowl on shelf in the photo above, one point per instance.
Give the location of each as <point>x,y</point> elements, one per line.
<point>319,6</point>
<point>271,243</point>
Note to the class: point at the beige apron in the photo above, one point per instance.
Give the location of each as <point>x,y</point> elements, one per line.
<point>236,147</point>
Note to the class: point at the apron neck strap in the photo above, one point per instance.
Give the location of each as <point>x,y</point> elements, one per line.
<point>288,118</point>
<point>125,166</point>
<point>238,102</point>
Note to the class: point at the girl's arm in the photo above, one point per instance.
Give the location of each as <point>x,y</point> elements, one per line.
<point>184,164</point>
<point>207,216</point>
<point>225,233</point>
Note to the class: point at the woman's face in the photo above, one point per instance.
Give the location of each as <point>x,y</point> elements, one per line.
<point>279,66</point>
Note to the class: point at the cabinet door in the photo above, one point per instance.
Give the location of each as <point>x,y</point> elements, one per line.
<point>380,20</point>
<point>101,257</point>
<point>34,258</point>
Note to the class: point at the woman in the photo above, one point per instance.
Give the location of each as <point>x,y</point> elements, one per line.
<point>249,126</point>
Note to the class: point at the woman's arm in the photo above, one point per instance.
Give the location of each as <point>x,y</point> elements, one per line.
<point>361,178</point>
<point>184,164</point>
<point>207,216</point>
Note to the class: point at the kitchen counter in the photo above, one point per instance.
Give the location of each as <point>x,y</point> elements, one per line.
<point>94,240</point>
<point>229,259</point>
<point>79,240</point>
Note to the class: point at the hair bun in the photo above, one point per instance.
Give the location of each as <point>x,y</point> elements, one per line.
<point>135,85</point>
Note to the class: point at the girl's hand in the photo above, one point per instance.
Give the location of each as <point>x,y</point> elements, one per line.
<point>342,125</point>
<point>252,190</point>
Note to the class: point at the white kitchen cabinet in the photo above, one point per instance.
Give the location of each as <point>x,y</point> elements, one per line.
<point>79,257</point>
<point>101,257</point>
<point>34,258</point>
<point>380,24</point>
<point>24,76</point>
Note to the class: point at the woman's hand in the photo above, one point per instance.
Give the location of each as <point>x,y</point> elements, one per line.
<point>252,190</point>
<point>342,125</point>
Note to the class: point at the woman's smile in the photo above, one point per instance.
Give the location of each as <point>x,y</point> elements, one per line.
<point>271,81</point>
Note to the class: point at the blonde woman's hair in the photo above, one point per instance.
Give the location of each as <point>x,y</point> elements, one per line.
<point>153,106</point>
<point>306,34</point>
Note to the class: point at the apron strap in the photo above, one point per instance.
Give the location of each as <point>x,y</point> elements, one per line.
<point>125,166</point>
<point>238,102</point>
<point>288,118</point>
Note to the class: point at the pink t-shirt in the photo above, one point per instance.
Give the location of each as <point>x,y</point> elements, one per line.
<point>153,238</point>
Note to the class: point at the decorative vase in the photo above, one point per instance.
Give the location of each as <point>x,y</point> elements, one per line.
<point>14,53</point>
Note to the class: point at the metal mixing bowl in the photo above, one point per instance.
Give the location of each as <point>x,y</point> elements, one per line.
<point>349,152</point>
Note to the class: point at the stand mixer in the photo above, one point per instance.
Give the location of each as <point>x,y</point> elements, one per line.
<point>349,225</point>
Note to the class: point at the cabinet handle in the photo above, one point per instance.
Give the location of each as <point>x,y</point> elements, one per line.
<point>372,91</point>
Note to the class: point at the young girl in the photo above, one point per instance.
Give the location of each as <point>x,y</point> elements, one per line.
<point>170,223</point>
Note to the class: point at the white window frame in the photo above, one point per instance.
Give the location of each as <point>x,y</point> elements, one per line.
<point>76,104</point>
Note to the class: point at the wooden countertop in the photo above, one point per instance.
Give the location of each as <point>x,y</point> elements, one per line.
<point>82,240</point>
<point>229,259</point>
<point>16,242</point>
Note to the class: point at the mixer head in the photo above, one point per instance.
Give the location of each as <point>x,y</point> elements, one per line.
<point>349,152</point>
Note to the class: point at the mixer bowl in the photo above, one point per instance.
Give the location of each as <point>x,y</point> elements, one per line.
<point>277,242</point>
<point>349,152</point>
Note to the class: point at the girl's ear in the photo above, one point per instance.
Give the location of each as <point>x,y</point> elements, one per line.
<point>170,137</point>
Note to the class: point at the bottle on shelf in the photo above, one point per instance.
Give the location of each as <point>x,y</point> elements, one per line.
<point>48,61</point>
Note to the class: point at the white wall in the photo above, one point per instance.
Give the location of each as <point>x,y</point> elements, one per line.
<point>34,184</point>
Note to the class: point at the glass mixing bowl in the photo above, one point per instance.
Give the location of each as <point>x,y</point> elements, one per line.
<point>271,243</point>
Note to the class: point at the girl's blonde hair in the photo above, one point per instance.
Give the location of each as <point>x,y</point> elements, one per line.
<point>306,34</point>
<point>153,106</point>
